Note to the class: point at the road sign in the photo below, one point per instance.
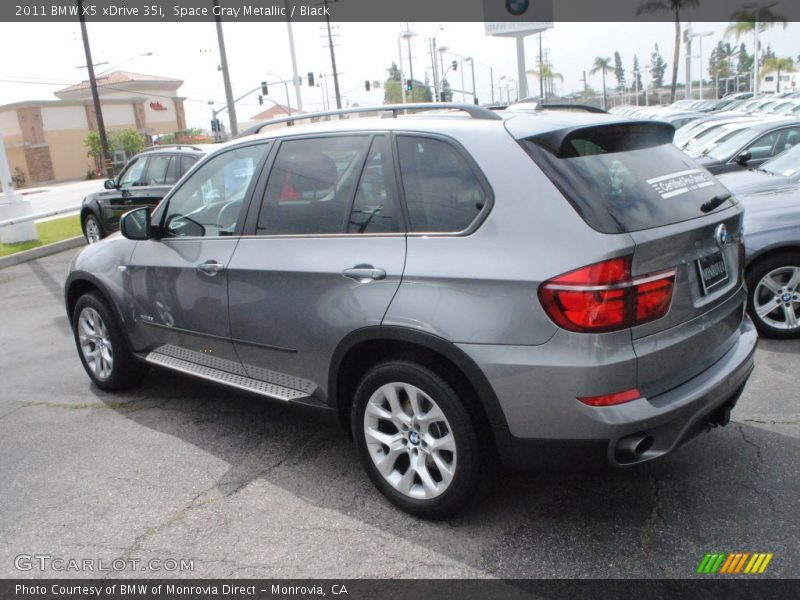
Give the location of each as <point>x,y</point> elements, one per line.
<point>515,28</point>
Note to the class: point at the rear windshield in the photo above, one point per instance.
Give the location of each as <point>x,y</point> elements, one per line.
<point>617,189</point>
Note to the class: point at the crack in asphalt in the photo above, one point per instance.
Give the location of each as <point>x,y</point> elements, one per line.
<point>753,444</point>
<point>793,422</point>
<point>656,514</point>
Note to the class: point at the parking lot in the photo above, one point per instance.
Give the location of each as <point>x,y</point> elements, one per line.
<point>247,488</point>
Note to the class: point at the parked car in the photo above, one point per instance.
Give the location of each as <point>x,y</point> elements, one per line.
<point>772,240</point>
<point>752,146</point>
<point>143,182</point>
<point>537,286</point>
<point>780,172</point>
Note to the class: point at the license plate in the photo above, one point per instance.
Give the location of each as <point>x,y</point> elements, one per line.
<point>713,271</point>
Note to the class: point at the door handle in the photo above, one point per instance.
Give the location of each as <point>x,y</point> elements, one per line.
<point>364,273</point>
<point>211,268</point>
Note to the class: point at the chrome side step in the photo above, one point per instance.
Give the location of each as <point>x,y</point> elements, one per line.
<point>240,382</point>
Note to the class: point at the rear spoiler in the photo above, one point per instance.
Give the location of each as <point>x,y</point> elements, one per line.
<point>612,137</point>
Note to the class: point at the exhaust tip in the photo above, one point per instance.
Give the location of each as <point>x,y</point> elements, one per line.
<point>632,447</point>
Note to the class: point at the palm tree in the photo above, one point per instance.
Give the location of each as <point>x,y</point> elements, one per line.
<point>774,64</point>
<point>547,75</point>
<point>744,23</point>
<point>672,6</point>
<point>602,65</point>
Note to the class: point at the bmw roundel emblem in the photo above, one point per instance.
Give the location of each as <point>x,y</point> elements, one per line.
<point>414,438</point>
<point>721,235</point>
<point>517,7</point>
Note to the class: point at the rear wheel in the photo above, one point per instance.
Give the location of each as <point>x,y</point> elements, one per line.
<point>102,347</point>
<point>774,295</point>
<point>416,439</point>
<point>92,229</point>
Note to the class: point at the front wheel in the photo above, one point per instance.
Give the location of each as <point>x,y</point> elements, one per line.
<point>92,229</point>
<point>416,439</point>
<point>102,347</point>
<point>774,295</point>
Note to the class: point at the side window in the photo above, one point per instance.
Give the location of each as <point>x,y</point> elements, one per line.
<point>311,185</point>
<point>187,162</point>
<point>173,171</point>
<point>157,169</point>
<point>133,174</point>
<point>442,192</point>
<point>763,147</point>
<point>209,202</point>
<point>792,138</point>
<point>375,208</point>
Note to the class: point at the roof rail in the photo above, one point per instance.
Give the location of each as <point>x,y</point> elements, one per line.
<point>528,104</point>
<point>385,110</point>
<point>159,146</point>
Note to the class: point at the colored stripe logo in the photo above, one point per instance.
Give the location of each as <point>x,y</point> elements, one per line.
<point>734,563</point>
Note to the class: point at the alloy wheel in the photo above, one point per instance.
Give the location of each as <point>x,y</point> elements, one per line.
<point>92,230</point>
<point>410,440</point>
<point>95,343</point>
<point>776,299</point>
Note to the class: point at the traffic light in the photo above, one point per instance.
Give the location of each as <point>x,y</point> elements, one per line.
<point>409,85</point>
<point>264,89</point>
<point>367,85</point>
<point>260,100</point>
<point>310,79</point>
<point>454,64</point>
<point>213,125</point>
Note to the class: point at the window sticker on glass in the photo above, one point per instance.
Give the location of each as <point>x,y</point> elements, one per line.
<point>675,184</point>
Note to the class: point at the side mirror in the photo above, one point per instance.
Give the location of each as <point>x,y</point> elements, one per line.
<point>135,225</point>
<point>110,184</point>
<point>743,158</point>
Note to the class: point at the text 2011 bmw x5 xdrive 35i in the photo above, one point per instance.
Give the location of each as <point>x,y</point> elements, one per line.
<point>456,285</point>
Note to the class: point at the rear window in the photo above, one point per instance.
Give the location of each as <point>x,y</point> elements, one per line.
<point>620,183</point>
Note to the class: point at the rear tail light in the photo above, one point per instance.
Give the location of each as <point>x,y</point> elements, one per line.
<point>605,297</point>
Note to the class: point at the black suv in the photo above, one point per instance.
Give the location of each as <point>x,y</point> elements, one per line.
<point>143,182</point>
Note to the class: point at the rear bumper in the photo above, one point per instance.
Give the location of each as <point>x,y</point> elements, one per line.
<point>593,436</point>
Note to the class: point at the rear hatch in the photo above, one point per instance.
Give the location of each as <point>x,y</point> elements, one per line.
<point>628,178</point>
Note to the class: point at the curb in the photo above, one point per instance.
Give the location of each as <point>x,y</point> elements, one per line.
<point>42,251</point>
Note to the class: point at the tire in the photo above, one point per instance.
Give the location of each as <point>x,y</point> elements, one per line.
<point>92,229</point>
<point>775,283</point>
<point>102,347</point>
<point>414,474</point>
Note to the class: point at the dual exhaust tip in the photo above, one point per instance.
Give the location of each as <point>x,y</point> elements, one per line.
<point>632,447</point>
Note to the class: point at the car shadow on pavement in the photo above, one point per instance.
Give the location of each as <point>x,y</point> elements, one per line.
<point>652,520</point>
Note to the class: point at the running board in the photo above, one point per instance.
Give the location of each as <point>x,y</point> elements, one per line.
<point>262,388</point>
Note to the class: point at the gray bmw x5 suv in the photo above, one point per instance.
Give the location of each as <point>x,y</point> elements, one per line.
<point>456,286</point>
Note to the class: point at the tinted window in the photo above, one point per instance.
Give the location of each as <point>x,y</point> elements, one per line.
<point>157,170</point>
<point>375,208</point>
<point>133,175</point>
<point>442,191</point>
<point>209,202</point>
<point>187,162</point>
<point>631,190</point>
<point>173,171</point>
<point>311,186</point>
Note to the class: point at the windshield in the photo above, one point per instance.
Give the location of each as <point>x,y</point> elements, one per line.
<point>786,164</point>
<point>720,137</point>
<point>727,148</point>
<point>699,141</point>
<point>687,132</point>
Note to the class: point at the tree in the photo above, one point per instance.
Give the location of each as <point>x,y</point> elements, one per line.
<point>775,65</point>
<point>394,89</point>
<point>129,141</point>
<point>637,74</point>
<point>744,23</point>
<point>92,143</point>
<point>719,63</point>
<point>619,71</point>
<point>447,92</point>
<point>658,67</point>
<point>744,61</point>
<point>675,7</point>
<point>602,65</point>
<point>547,75</point>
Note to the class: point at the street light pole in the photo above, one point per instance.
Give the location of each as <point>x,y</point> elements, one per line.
<point>98,112</point>
<point>472,67</point>
<point>226,79</point>
<point>295,77</point>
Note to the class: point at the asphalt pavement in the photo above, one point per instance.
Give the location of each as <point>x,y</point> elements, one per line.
<point>248,488</point>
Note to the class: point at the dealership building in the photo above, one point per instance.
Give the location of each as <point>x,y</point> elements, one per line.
<point>45,139</point>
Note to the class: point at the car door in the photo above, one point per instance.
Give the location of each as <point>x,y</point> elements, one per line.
<point>117,202</point>
<point>178,279</point>
<point>323,256</point>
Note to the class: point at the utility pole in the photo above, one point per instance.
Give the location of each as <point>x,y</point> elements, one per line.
<point>754,87</point>
<point>435,68</point>
<point>98,112</point>
<point>333,56</point>
<point>295,77</point>
<point>226,78</point>
<point>541,71</point>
